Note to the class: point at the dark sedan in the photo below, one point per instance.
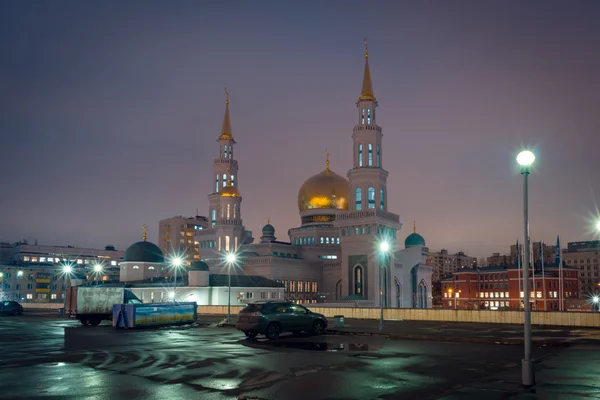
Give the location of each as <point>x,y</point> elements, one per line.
<point>274,317</point>
<point>10,308</point>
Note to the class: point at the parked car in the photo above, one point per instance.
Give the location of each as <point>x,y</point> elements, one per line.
<point>274,317</point>
<point>10,308</point>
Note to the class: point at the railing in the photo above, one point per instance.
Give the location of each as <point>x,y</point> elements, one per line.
<point>359,128</point>
<point>368,214</point>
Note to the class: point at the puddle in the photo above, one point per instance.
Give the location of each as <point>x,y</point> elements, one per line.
<point>322,346</point>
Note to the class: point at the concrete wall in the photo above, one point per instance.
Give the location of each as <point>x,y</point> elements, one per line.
<point>579,319</point>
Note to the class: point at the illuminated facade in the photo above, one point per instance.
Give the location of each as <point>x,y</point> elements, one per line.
<point>334,255</point>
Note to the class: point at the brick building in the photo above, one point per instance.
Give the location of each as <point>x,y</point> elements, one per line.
<point>500,288</point>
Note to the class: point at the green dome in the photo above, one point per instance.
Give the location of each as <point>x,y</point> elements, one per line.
<point>144,252</point>
<point>199,265</point>
<point>268,228</point>
<point>414,239</point>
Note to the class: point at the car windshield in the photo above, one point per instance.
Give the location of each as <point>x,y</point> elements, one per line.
<point>253,308</point>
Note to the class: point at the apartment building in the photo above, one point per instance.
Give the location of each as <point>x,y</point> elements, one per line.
<point>176,235</point>
<point>445,264</point>
<point>584,256</point>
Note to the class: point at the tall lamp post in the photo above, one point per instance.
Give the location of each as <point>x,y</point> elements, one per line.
<point>230,259</point>
<point>384,247</point>
<point>525,160</point>
<point>176,262</point>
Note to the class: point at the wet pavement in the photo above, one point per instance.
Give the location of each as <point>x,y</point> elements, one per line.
<point>219,363</point>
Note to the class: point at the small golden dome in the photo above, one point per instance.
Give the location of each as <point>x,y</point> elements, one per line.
<point>324,190</point>
<point>230,191</point>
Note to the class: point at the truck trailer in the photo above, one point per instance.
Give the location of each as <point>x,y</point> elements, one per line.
<point>93,304</point>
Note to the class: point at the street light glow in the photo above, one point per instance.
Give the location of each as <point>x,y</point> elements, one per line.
<point>598,225</point>
<point>384,246</point>
<point>230,257</point>
<point>177,262</point>
<point>68,269</point>
<point>525,158</point>
<point>97,268</point>
<point>595,299</point>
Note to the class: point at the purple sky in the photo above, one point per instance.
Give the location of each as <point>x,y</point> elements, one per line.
<point>110,112</point>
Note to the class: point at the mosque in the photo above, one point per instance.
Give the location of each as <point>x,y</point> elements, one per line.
<point>345,248</point>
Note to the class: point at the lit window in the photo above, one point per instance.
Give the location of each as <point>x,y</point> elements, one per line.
<point>370,155</point>
<point>360,155</point>
<point>358,199</point>
<point>382,198</point>
<point>371,197</point>
<point>29,296</point>
<point>362,116</point>
<point>217,184</point>
<point>226,243</point>
<point>213,217</point>
<point>113,263</point>
<point>224,183</point>
<point>225,151</point>
<point>322,240</point>
<point>358,277</point>
<point>42,259</point>
<point>228,208</point>
<point>150,267</point>
<point>136,267</point>
<point>368,116</point>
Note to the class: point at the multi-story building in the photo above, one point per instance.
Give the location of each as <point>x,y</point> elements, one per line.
<point>445,264</point>
<point>177,236</point>
<point>500,260</point>
<point>501,288</point>
<point>585,257</point>
<point>35,273</point>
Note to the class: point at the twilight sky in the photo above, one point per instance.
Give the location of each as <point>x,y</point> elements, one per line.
<point>109,113</point>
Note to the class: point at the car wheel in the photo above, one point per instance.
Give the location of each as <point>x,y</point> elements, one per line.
<point>273,331</point>
<point>318,328</point>
<point>250,335</point>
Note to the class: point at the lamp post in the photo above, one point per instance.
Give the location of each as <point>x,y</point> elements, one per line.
<point>176,262</point>
<point>98,271</point>
<point>595,301</point>
<point>384,247</point>
<point>230,259</point>
<point>525,159</point>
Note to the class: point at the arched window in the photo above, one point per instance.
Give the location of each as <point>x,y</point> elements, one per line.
<point>213,217</point>
<point>360,155</point>
<point>344,232</point>
<point>235,211</point>
<point>378,157</point>
<point>224,180</point>
<point>362,116</point>
<point>225,151</point>
<point>358,199</point>
<point>382,198</point>
<point>227,243</point>
<point>368,116</point>
<point>371,197</point>
<point>370,163</point>
<point>228,209</point>
<point>231,147</point>
<point>232,180</point>
<point>217,184</point>
<point>358,280</point>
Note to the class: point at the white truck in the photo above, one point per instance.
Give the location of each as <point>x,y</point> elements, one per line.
<point>93,304</point>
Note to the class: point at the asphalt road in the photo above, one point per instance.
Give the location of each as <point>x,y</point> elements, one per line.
<point>219,363</point>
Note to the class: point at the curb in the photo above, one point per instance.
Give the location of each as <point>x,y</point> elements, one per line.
<point>456,339</point>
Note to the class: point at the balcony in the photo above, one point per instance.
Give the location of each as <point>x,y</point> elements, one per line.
<point>43,280</point>
<point>42,290</point>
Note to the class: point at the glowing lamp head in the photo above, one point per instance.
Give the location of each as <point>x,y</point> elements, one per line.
<point>598,225</point>
<point>177,262</point>
<point>97,268</point>
<point>596,299</point>
<point>384,246</point>
<point>525,158</point>
<point>230,258</point>
<point>171,295</point>
<point>1,275</point>
<point>68,269</point>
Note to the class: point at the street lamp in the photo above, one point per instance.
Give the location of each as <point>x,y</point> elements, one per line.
<point>67,269</point>
<point>176,263</point>
<point>525,159</point>
<point>596,300</point>
<point>230,258</point>
<point>384,247</point>
<point>97,271</point>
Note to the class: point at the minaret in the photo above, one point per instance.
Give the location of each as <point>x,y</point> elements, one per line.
<point>225,167</point>
<point>228,224</point>
<point>368,179</point>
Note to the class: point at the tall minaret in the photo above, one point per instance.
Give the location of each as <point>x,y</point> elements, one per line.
<point>228,224</point>
<point>367,176</point>
<point>225,167</point>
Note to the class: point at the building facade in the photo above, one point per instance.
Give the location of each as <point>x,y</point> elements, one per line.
<point>177,236</point>
<point>584,256</point>
<point>336,253</point>
<point>497,288</point>
<point>445,264</point>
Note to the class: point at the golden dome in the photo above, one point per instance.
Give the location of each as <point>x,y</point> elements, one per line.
<point>230,191</point>
<point>324,190</point>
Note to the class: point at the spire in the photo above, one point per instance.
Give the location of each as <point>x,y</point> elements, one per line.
<point>367,86</point>
<point>327,170</point>
<point>145,232</point>
<point>269,221</point>
<point>226,130</point>
<point>414,226</point>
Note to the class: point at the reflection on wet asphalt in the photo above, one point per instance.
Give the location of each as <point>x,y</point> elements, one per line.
<point>219,363</point>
